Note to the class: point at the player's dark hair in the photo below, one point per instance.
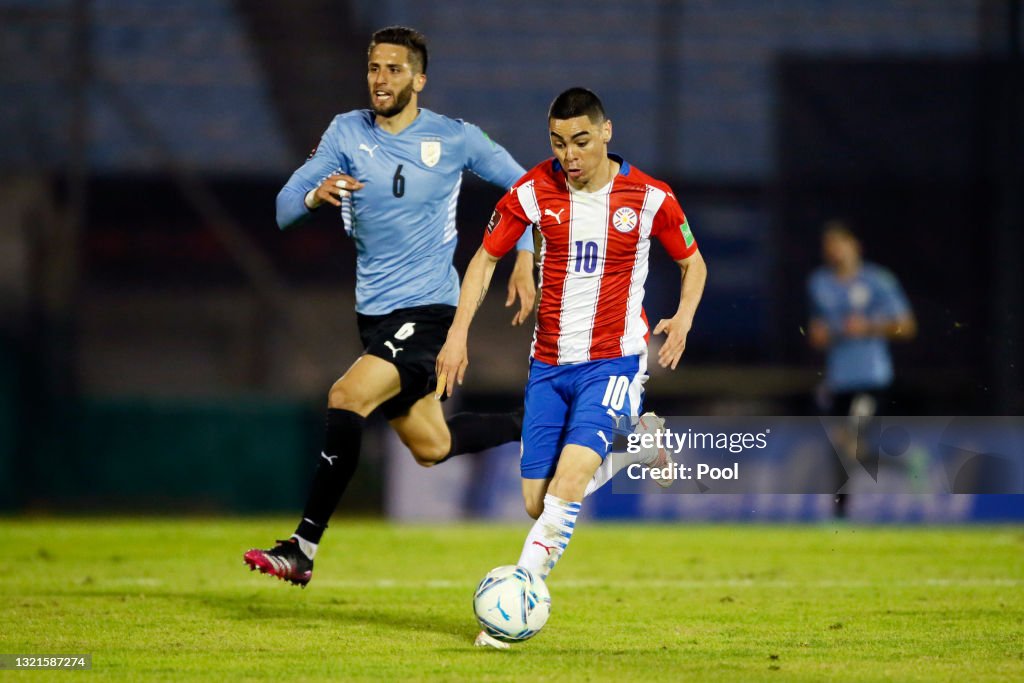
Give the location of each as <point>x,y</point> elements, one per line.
<point>406,37</point>
<point>839,226</point>
<point>577,102</point>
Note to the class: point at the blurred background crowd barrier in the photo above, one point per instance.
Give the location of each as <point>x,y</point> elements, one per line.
<point>164,347</point>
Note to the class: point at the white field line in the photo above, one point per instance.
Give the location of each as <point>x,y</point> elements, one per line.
<point>602,583</point>
<point>691,583</point>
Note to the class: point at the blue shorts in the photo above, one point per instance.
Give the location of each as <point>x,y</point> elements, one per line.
<point>577,404</point>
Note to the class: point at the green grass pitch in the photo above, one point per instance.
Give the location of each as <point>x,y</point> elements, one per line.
<point>169,599</point>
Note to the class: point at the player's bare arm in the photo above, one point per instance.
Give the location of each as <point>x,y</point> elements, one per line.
<point>818,334</point>
<point>694,275</point>
<point>903,328</point>
<point>454,355</point>
<point>332,189</point>
<point>521,284</point>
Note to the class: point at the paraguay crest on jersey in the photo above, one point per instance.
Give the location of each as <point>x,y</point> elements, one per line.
<point>624,219</point>
<point>430,152</point>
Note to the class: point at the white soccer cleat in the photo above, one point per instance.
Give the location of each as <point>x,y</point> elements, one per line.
<point>654,457</point>
<point>484,640</point>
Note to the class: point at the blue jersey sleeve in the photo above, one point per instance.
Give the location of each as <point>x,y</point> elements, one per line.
<point>813,296</point>
<point>894,302</point>
<point>493,163</point>
<point>327,158</point>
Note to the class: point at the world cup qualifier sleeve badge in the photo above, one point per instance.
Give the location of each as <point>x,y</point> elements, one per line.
<point>687,235</point>
<point>430,152</point>
<point>495,219</point>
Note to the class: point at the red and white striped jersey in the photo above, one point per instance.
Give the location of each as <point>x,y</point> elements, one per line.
<point>594,257</point>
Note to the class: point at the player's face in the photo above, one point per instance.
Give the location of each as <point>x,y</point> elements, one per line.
<point>392,79</point>
<point>840,250</point>
<point>581,147</point>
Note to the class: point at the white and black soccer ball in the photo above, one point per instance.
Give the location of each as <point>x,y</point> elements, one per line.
<point>512,603</point>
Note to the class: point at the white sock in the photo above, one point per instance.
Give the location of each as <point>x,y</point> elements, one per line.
<point>612,465</point>
<point>614,462</point>
<point>308,549</point>
<point>550,534</point>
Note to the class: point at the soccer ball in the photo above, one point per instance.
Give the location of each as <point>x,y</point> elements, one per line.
<point>512,603</point>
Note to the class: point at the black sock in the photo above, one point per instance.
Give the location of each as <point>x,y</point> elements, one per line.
<point>475,432</point>
<point>336,465</point>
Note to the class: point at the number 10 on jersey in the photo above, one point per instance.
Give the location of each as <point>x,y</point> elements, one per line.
<point>586,256</point>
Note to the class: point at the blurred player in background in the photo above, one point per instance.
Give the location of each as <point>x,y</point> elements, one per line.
<point>596,215</point>
<point>856,309</point>
<point>394,171</point>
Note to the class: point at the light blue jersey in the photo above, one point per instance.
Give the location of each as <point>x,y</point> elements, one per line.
<point>403,220</point>
<point>857,364</point>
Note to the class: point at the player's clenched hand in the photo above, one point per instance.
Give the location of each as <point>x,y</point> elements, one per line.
<point>521,284</point>
<point>333,188</point>
<point>672,350</point>
<point>451,366</point>
<point>857,326</point>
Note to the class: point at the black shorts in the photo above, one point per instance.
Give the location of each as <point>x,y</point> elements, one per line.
<point>409,339</point>
<point>864,404</point>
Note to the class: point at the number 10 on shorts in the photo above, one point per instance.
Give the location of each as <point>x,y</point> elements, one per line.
<point>615,393</point>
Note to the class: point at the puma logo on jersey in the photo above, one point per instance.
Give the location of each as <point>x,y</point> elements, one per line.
<point>607,443</point>
<point>329,458</point>
<point>368,150</point>
<point>556,216</point>
<point>394,351</point>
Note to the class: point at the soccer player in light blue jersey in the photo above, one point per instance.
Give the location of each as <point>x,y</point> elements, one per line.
<point>394,172</point>
<point>856,309</point>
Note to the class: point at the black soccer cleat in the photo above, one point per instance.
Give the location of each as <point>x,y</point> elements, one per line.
<point>285,561</point>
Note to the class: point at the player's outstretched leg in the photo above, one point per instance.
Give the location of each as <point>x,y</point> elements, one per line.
<point>556,523</point>
<point>433,440</point>
<point>292,560</point>
<point>476,432</point>
<point>364,386</point>
<point>651,457</point>
<point>549,536</point>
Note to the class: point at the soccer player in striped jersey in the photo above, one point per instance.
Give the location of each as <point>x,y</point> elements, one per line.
<point>394,172</point>
<point>597,215</point>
